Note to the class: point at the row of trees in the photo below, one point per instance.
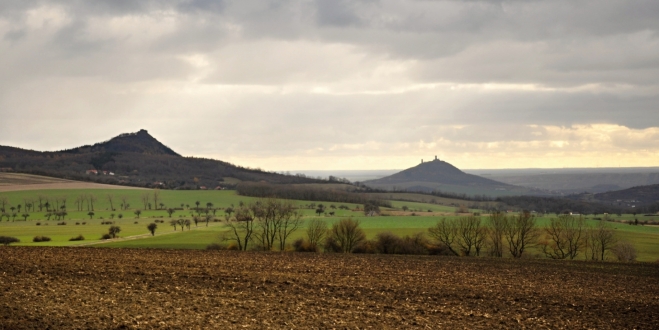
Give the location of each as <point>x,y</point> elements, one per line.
<point>566,237</point>
<point>265,224</point>
<point>307,193</point>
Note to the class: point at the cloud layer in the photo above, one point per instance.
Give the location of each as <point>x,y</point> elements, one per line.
<point>332,84</point>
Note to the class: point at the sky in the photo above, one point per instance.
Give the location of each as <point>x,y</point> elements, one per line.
<point>339,85</point>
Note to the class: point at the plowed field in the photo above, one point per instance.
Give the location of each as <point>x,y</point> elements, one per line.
<point>65,288</point>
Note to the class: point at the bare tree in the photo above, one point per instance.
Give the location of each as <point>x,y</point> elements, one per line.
<point>564,237</point>
<point>496,225</point>
<point>521,233</point>
<point>470,235</point>
<point>124,202</point>
<point>181,222</point>
<point>347,234</point>
<point>242,228</point>
<point>316,231</point>
<point>599,241</point>
<point>146,197</point>
<point>110,198</point>
<point>289,220</point>
<point>156,196</point>
<point>624,251</point>
<point>445,232</point>
<point>92,198</point>
<point>275,220</point>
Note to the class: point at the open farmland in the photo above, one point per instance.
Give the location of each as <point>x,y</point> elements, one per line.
<point>28,182</point>
<point>126,288</point>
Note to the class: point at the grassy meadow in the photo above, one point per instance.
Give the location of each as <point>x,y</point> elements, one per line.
<point>134,233</point>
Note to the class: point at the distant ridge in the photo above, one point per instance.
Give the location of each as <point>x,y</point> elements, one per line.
<point>440,175</point>
<point>136,159</point>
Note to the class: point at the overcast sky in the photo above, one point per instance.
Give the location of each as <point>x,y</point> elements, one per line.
<point>328,84</point>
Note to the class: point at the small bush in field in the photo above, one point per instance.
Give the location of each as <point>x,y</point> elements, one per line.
<point>301,245</point>
<point>6,240</point>
<point>366,247</point>
<point>106,236</point>
<point>38,223</point>
<point>41,239</point>
<point>63,223</point>
<point>77,223</point>
<point>77,238</point>
<point>84,223</point>
<point>233,246</point>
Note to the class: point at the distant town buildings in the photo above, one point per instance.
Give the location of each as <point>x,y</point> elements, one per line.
<point>97,172</point>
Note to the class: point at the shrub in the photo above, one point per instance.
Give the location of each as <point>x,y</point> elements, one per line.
<point>63,223</point>
<point>6,240</point>
<point>331,245</point>
<point>77,223</point>
<point>233,246</point>
<point>38,223</point>
<point>366,247</point>
<point>77,238</point>
<point>84,223</point>
<point>386,242</point>
<point>41,239</point>
<point>135,223</point>
<point>625,252</point>
<point>301,245</point>
<point>106,236</point>
<point>417,244</point>
<point>439,250</point>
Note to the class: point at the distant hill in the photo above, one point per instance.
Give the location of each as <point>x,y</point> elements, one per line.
<point>577,180</point>
<point>442,176</point>
<point>141,142</point>
<point>636,196</point>
<point>135,159</point>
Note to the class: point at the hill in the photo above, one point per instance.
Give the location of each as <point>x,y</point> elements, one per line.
<point>135,159</point>
<point>440,175</point>
<point>575,180</point>
<point>632,197</point>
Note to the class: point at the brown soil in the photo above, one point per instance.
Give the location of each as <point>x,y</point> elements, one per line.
<point>64,288</point>
<point>19,182</point>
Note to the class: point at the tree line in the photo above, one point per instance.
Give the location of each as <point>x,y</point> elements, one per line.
<point>307,193</point>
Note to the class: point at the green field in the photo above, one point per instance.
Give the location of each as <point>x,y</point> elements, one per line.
<point>135,234</point>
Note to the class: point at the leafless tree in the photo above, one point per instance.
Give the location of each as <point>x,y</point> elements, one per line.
<point>146,197</point>
<point>347,234</point>
<point>316,231</point>
<point>156,196</point>
<point>290,220</point>
<point>624,251</point>
<point>520,233</point>
<point>275,220</point>
<point>110,198</point>
<point>496,225</point>
<point>124,202</point>
<point>445,232</point>
<point>241,228</point>
<point>564,237</point>
<point>599,241</point>
<point>470,235</point>
<point>92,198</point>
